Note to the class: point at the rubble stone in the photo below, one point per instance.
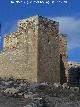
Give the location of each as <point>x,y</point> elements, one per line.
<point>65,86</point>
<point>11,91</point>
<point>74,89</point>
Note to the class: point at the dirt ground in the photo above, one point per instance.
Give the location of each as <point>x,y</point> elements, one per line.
<point>6,101</point>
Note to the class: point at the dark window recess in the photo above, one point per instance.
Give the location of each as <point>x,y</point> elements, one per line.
<point>48,40</point>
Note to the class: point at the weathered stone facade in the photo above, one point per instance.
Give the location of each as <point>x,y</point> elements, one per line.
<point>63,48</point>
<point>33,52</point>
<point>63,57</point>
<point>73,73</point>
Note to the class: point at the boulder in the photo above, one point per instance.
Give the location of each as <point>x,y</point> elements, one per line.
<point>30,96</point>
<point>74,89</point>
<point>65,86</point>
<point>56,85</point>
<point>37,87</point>
<point>11,91</point>
<point>20,94</point>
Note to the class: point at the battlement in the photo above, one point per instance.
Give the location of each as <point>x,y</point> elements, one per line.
<point>26,23</point>
<point>37,21</point>
<point>27,26</point>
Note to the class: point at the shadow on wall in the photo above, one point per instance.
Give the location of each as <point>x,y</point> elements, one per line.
<point>62,71</point>
<point>74,76</point>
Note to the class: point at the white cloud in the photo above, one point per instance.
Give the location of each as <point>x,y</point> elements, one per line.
<point>70,26</point>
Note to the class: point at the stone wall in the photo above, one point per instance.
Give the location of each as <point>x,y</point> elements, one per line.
<point>21,61</point>
<point>48,51</point>
<point>30,28</point>
<point>33,52</point>
<point>73,73</point>
<point>63,57</point>
<point>63,48</point>
<point>10,41</point>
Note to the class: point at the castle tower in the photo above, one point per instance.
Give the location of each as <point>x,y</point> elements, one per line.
<point>42,48</point>
<point>33,52</point>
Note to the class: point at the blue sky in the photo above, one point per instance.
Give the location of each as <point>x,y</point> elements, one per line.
<point>68,14</point>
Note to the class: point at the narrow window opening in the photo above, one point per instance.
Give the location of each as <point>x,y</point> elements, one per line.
<point>48,40</point>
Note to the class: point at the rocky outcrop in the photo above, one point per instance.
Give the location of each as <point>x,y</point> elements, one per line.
<point>40,95</point>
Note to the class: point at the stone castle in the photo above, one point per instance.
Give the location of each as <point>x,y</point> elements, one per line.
<point>35,52</point>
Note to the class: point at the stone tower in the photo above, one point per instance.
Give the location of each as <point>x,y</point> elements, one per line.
<point>33,52</point>
<point>42,48</point>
